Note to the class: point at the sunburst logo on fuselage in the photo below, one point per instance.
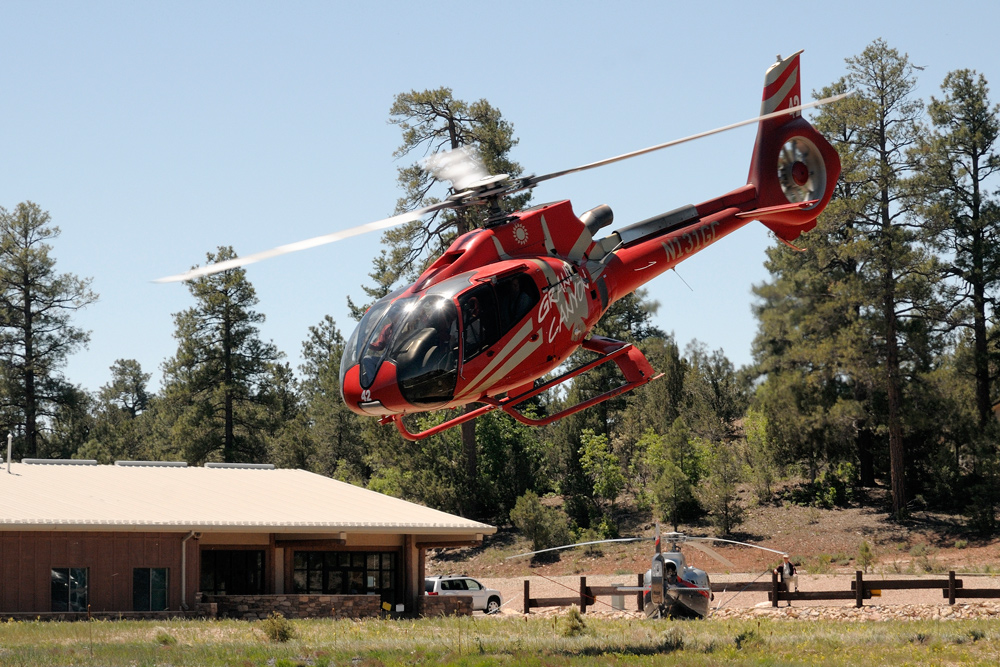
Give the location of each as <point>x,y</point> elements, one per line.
<point>520,234</point>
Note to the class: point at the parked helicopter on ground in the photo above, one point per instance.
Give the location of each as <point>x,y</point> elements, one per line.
<point>671,588</point>
<point>508,304</point>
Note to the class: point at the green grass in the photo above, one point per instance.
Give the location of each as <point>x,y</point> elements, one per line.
<point>510,640</point>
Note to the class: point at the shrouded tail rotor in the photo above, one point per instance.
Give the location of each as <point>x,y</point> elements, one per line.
<point>801,171</point>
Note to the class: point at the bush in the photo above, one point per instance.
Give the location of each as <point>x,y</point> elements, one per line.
<point>835,487</point>
<point>164,638</point>
<point>278,628</point>
<point>866,555</point>
<point>747,639</point>
<point>673,640</point>
<point>572,624</point>
<point>545,526</point>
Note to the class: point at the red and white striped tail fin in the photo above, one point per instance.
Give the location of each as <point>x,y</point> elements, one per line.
<point>794,168</point>
<point>782,88</point>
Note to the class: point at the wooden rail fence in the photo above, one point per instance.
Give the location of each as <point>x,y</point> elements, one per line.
<point>861,590</point>
<point>587,596</point>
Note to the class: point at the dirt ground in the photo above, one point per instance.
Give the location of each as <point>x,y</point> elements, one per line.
<point>825,545</point>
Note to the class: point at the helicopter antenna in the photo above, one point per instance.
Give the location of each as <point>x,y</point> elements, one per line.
<point>682,279</point>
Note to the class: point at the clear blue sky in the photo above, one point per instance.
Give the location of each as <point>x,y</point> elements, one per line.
<point>154,132</point>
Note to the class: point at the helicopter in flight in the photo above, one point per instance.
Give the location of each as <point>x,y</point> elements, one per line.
<point>507,304</point>
<point>671,588</point>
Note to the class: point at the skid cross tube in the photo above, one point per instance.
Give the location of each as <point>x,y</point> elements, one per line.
<point>634,366</point>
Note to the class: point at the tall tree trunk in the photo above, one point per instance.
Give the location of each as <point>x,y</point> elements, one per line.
<point>984,407</point>
<point>471,464</point>
<point>894,392</point>
<point>30,400</point>
<point>228,445</point>
<point>897,462</point>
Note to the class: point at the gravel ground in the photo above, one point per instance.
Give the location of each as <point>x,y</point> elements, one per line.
<point>916,603</point>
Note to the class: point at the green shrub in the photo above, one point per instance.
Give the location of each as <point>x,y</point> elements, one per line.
<point>164,638</point>
<point>746,639</point>
<point>544,526</point>
<point>673,640</point>
<point>835,487</point>
<point>866,555</point>
<point>278,628</point>
<point>572,624</point>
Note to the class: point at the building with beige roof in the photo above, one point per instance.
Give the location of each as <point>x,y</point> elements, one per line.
<point>138,537</point>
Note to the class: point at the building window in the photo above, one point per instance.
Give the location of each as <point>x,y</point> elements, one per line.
<point>149,589</point>
<point>236,572</point>
<point>69,589</point>
<point>346,573</point>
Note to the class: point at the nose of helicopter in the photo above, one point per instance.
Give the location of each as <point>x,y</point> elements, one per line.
<point>380,399</point>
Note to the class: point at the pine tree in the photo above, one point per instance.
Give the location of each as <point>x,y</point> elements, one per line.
<point>218,387</point>
<point>960,217</point>
<point>36,333</point>
<point>120,431</point>
<point>851,324</point>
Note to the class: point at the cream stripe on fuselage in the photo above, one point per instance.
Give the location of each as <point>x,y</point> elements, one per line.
<point>513,353</point>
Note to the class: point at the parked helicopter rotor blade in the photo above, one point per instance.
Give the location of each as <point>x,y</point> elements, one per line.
<point>709,551</point>
<point>745,544</point>
<point>578,544</point>
<point>531,181</point>
<point>385,223</point>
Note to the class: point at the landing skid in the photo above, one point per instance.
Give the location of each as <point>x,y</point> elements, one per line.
<point>633,365</point>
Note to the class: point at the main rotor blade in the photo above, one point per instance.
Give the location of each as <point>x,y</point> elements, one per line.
<point>531,181</point>
<point>578,544</point>
<point>745,544</point>
<point>704,548</point>
<point>385,223</point>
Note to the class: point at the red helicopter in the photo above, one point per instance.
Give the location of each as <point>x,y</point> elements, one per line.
<point>508,303</point>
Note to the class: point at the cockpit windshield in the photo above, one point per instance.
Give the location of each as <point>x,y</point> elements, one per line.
<point>420,336</point>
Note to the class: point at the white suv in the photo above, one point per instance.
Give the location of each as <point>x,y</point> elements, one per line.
<point>483,599</point>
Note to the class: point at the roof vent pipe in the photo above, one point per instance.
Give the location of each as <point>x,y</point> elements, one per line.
<point>240,466</point>
<point>151,464</point>
<point>10,443</point>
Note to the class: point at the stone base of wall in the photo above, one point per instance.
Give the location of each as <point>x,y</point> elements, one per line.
<point>254,607</point>
<point>99,615</point>
<point>444,605</point>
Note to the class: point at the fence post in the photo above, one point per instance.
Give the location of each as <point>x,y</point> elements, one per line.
<point>638,596</point>
<point>527,597</point>
<point>951,587</point>
<point>860,591</point>
<point>583,595</point>
<point>774,588</point>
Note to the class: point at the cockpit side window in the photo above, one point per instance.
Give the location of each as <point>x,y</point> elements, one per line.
<point>480,327</point>
<point>516,296</point>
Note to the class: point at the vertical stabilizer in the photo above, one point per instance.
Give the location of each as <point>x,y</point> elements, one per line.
<point>793,167</point>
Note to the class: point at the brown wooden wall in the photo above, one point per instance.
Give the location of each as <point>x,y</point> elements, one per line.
<point>27,559</point>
